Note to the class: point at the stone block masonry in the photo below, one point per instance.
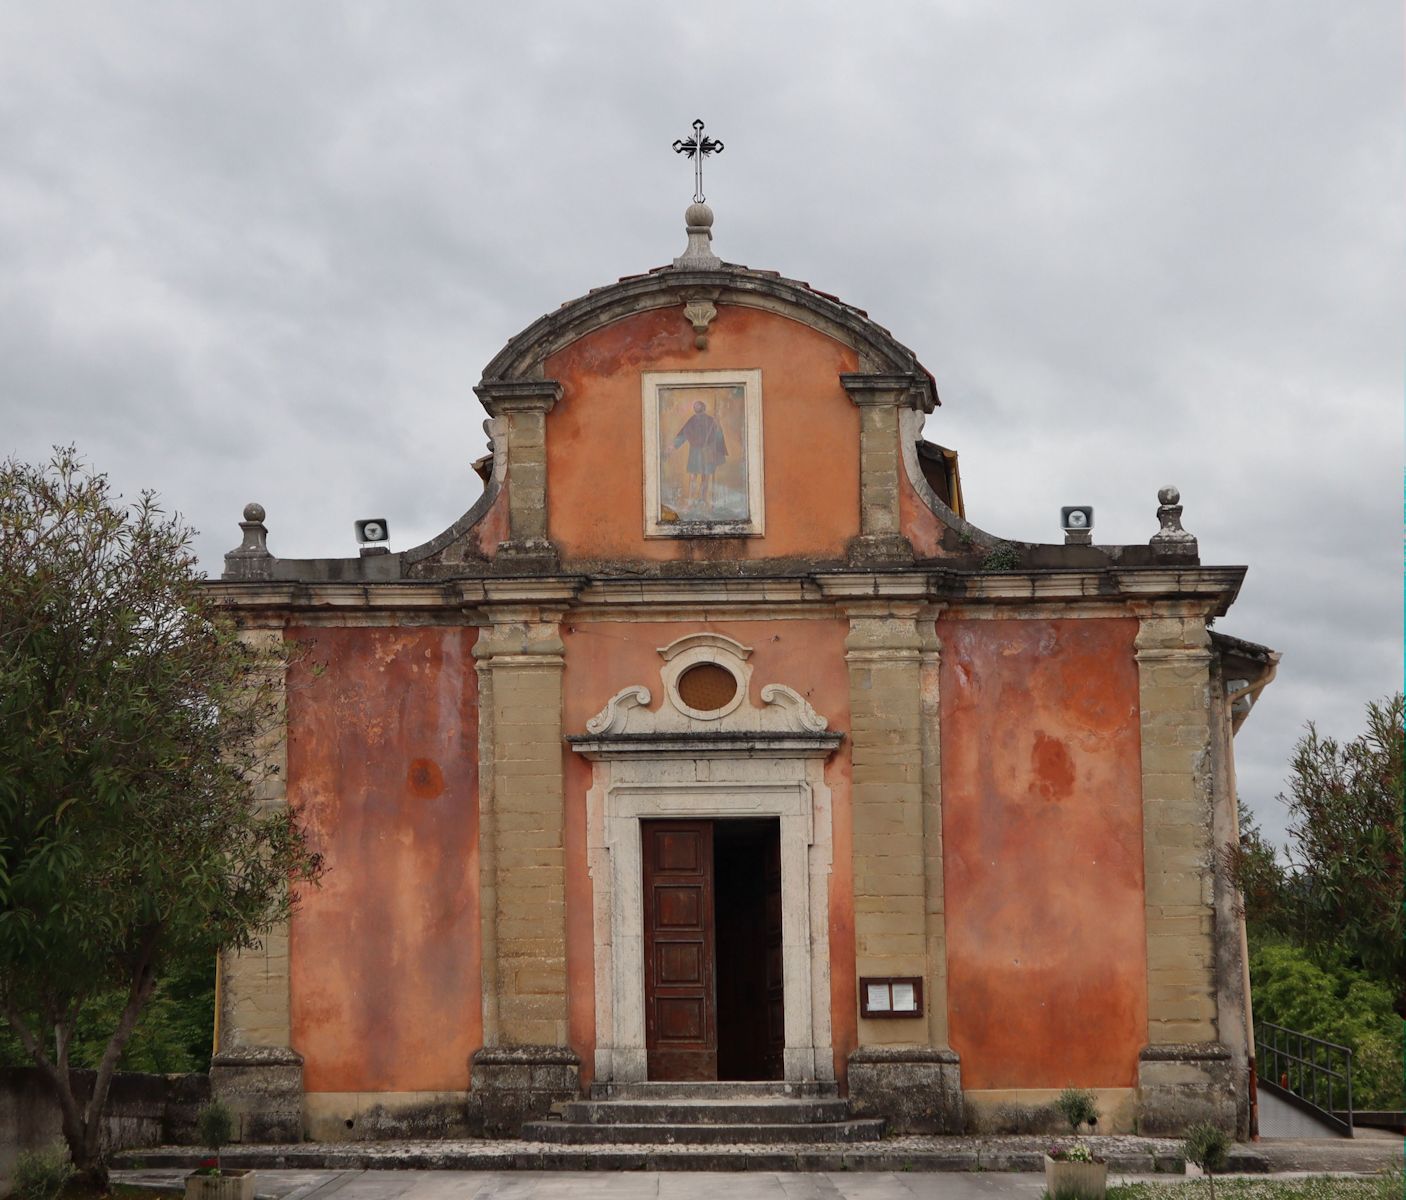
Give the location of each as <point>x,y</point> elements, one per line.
<point>883,652</point>
<point>1173,655</point>
<point>1184,1074</point>
<point>524,1066</point>
<point>523,869</point>
<point>254,1070</point>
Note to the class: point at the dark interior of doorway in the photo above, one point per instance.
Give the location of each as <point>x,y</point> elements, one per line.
<point>747,925</point>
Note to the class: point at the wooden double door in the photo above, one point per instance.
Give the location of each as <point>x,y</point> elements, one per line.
<point>712,949</point>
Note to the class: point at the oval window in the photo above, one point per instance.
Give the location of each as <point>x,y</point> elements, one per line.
<point>707,687</point>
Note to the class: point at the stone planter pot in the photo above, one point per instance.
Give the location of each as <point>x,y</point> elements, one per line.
<point>1075,1180</point>
<point>229,1184</point>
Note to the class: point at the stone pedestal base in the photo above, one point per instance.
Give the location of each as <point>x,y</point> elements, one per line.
<point>915,1090</point>
<point>263,1087</point>
<point>880,550</point>
<point>533,556</point>
<point>513,1084</point>
<point>1183,1083</point>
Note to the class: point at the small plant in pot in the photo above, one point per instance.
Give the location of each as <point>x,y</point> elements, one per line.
<point>212,1180</point>
<point>1076,1172</point>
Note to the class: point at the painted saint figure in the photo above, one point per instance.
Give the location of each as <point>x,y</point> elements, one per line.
<point>707,450</point>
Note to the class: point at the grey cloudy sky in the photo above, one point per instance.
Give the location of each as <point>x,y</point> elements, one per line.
<point>262,251</point>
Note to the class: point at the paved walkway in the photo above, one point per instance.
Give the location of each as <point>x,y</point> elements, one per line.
<point>1280,1119</point>
<point>1288,1156</point>
<point>622,1185</point>
<point>897,1157</point>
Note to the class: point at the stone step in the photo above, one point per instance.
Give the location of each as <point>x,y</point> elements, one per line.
<point>758,1110</point>
<point>831,1133</point>
<point>713,1090</point>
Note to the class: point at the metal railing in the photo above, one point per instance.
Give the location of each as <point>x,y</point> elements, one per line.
<point>1307,1069</point>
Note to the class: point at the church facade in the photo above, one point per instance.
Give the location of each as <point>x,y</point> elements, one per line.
<point>715,743</point>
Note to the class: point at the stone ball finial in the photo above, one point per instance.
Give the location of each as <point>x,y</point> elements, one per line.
<point>254,511</point>
<point>1169,495</point>
<point>698,254</point>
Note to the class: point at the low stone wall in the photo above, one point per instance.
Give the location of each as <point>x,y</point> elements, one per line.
<point>142,1110</point>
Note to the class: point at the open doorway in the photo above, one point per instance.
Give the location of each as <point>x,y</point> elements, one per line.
<point>714,1002</point>
<point>747,908</point>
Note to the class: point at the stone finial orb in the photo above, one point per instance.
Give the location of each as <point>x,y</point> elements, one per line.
<point>699,215</point>
<point>1169,495</point>
<point>254,511</point>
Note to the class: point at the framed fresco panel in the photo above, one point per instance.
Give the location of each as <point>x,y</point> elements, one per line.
<point>703,454</point>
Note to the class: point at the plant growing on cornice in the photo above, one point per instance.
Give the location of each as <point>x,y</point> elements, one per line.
<point>1003,557</point>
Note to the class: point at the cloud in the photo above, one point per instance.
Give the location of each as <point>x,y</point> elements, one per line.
<point>263,252</point>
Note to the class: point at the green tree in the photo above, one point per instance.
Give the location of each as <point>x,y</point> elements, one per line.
<point>1332,1001</point>
<point>1340,891</point>
<point>131,716</point>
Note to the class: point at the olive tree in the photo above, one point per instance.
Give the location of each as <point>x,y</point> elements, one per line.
<point>131,715</point>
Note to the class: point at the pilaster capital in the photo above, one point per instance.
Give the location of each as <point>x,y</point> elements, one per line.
<point>888,390</point>
<point>1172,637</point>
<point>521,633</point>
<point>892,633</point>
<point>503,396</point>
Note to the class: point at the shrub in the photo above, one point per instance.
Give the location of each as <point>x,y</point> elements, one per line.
<point>1002,557</point>
<point>1208,1146</point>
<point>1078,1107</point>
<point>1329,999</point>
<point>42,1174</point>
<point>215,1127</point>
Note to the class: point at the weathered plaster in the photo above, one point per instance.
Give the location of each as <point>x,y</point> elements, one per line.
<point>1042,852</point>
<point>382,771</point>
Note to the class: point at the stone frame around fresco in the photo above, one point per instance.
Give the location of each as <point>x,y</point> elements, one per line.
<point>750,380</point>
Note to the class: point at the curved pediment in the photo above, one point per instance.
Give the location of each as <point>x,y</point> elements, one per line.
<point>672,287</point>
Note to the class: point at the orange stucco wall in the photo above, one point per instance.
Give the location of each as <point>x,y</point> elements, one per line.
<point>602,658</point>
<point>810,436</point>
<point>382,750</point>
<point>920,525</point>
<point>1042,852</point>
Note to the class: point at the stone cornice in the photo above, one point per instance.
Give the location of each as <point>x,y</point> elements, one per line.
<point>755,744</point>
<point>889,585</point>
<point>1140,589</point>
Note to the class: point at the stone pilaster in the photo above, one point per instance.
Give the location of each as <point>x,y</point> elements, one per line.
<point>880,398</point>
<point>930,660</point>
<point>521,406</point>
<point>255,1069</point>
<point>1183,1074</point>
<point>1234,1021</point>
<point>520,1071</point>
<point>884,655</point>
<point>903,1069</point>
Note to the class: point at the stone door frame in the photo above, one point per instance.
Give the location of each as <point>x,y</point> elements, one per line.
<point>616,810</point>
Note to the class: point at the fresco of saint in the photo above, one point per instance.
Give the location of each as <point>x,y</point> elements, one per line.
<point>707,450</point>
<point>702,455</point>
